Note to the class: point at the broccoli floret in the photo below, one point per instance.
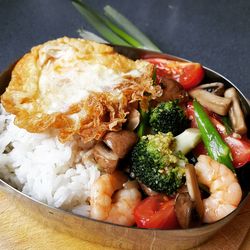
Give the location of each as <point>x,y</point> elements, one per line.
<point>156,164</point>
<point>168,117</point>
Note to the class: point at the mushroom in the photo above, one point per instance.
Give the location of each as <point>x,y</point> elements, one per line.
<point>133,119</point>
<point>217,104</point>
<point>120,142</point>
<point>188,205</point>
<point>106,159</point>
<point>193,189</point>
<point>171,90</point>
<point>147,190</point>
<point>185,210</point>
<point>235,113</point>
<point>216,88</point>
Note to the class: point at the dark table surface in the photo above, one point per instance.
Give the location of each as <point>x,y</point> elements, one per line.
<point>214,33</point>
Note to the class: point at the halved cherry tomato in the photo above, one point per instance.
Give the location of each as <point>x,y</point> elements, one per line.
<point>156,212</point>
<point>188,74</point>
<point>240,149</point>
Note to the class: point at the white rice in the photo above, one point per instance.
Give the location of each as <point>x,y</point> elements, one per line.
<point>60,175</point>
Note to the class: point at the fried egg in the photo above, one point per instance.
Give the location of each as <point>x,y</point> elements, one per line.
<point>78,87</point>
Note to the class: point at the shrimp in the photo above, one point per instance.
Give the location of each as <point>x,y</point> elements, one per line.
<point>125,201</point>
<point>120,209</point>
<point>225,191</point>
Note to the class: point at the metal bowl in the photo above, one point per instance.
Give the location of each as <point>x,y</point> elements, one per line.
<point>112,235</point>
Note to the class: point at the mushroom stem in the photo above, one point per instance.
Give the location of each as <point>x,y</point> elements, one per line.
<point>147,190</point>
<point>133,119</point>
<point>193,189</point>
<point>189,207</point>
<point>235,112</point>
<point>217,104</point>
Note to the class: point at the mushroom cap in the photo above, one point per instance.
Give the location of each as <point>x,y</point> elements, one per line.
<point>186,212</point>
<point>120,142</point>
<point>106,159</point>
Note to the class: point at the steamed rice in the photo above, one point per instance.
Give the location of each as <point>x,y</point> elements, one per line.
<point>60,175</point>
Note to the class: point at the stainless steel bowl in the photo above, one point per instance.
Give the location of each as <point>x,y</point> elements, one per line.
<point>112,235</point>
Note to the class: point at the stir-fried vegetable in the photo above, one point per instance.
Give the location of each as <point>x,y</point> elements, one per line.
<point>156,164</point>
<point>168,117</point>
<point>239,146</point>
<point>188,74</point>
<point>187,140</point>
<point>158,160</point>
<point>156,212</point>
<point>214,144</point>
<point>144,116</point>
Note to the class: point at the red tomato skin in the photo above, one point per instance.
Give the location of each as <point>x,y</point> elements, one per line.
<point>188,74</point>
<point>240,149</point>
<point>156,212</point>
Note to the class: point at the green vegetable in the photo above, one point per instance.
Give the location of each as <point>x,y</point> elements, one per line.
<point>187,140</point>
<point>227,124</point>
<point>216,147</point>
<point>98,23</point>
<point>129,27</point>
<point>105,27</point>
<point>168,117</point>
<point>123,34</point>
<point>113,33</point>
<point>156,164</point>
<point>144,115</point>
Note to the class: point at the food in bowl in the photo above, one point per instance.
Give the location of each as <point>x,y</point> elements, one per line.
<point>129,142</point>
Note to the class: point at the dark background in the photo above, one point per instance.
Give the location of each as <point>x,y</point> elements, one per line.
<point>214,33</point>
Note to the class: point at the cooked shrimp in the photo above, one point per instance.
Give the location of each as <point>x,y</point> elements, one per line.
<point>225,191</point>
<point>120,210</point>
<point>125,200</point>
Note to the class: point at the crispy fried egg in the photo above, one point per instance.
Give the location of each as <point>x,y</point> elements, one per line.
<point>76,87</point>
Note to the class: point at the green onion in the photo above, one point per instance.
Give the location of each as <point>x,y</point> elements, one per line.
<point>129,27</point>
<point>144,115</point>
<point>97,22</point>
<point>105,27</point>
<point>227,124</point>
<point>90,36</point>
<point>123,34</point>
<point>216,147</point>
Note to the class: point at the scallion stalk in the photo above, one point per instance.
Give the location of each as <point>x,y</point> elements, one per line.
<point>123,34</point>
<point>105,27</point>
<point>129,27</point>
<point>94,19</point>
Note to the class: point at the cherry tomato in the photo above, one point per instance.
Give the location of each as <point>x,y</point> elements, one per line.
<point>188,74</point>
<point>240,149</point>
<point>156,212</point>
